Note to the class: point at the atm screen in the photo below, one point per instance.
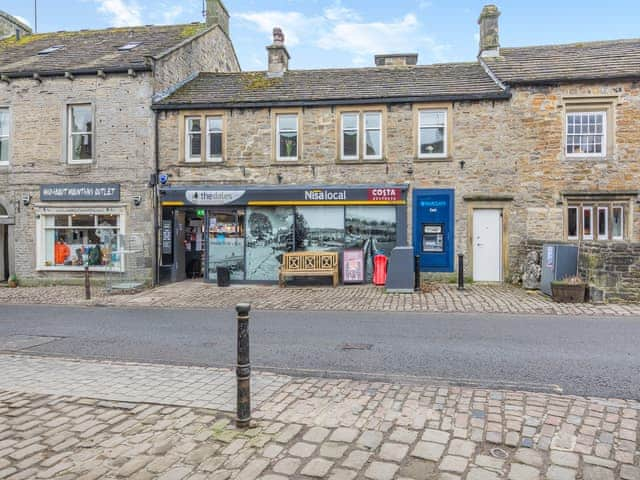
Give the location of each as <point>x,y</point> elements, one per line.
<point>433,238</point>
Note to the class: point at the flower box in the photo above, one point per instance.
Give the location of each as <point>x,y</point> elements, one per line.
<point>563,292</point>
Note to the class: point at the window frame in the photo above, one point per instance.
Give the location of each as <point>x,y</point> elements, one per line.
<point>590,209</point>
<point>208,157</point>
<point>609,205</point>
<point>356,157</point>
<point>278,116</point>
<point>448,153</point>
<point>188,158</point>
<point>605,126</point>
<point>364,135</point>
<point>203,115</point>
<point>600,208</point>
<point>575,208</point>
<point>591,104</point>
<point>41,229</point>
<point>614,207</point>
<point>71,133</point>
<point>8,136</point>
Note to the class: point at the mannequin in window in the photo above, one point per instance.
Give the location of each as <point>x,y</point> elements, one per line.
<point>61,251</point>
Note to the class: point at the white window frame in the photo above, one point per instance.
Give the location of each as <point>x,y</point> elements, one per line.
<point>279,130</point>
<point>41,229</point>
<point>214,159</point>
<point>606,223</point>
<point>188,158</point>
<point>604,134</point>
<point>7,137</point>
<point>364,137</point>
<point>584,236</point>
<point>577,211</point>
<point>342,130</point>
<point>445,124</point>
<point>71,133</point>
<point>621,208</point>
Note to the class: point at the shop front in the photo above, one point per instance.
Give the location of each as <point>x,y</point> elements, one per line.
<point>247,229</point>
<point>78,225</point>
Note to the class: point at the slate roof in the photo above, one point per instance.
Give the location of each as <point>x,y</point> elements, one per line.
<point>89,50</point>
<point>349,85</point>
<point>570,62</point>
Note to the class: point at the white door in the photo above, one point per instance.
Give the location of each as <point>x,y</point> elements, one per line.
<point>487,245</point>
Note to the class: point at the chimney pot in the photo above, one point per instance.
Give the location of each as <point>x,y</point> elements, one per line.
<point>489,31</point>
<point>278,55</point>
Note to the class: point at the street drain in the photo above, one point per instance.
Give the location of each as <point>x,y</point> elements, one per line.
<point>498,453</point>
<point>356,346</point>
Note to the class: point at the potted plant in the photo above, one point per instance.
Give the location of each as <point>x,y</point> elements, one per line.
<point>569,290</point>
<point>13,281</point>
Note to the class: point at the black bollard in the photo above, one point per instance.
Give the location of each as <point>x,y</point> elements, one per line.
<point>243,369</point>
<point>460,271</point>
<point>87,283</point>
<point>416,273</point>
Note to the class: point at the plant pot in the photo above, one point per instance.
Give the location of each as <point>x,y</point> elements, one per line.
<point>12,284</point>
<point>568,293</point>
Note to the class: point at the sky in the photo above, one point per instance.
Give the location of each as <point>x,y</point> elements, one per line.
<point>347,33</point>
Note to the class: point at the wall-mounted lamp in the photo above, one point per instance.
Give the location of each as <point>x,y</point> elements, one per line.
<point>137,200</point>
<point>410,170</point>
<point>26,199</point>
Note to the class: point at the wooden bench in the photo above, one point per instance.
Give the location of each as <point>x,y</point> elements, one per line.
<point>309,264</point>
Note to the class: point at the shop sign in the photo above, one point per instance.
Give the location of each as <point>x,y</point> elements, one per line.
<point>213,197</point>
<point>384,194</point>
<point>321,195</point>
<point>80,192</point>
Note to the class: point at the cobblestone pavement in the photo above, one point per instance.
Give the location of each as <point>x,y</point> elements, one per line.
<point>322,428</point>
<point>132,382</point>
<point>437,298</point>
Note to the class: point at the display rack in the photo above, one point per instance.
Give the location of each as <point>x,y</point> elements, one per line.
<point>125,272</point>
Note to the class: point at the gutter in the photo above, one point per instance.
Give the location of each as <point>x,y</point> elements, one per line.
<point>78,71</point>
<point>551,81</point>
<point>504,95</point>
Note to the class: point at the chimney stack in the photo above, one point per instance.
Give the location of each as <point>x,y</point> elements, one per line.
<point>278,55</point>
<point>396,59</point>
<point>217,15</point>
<point>489,31</point>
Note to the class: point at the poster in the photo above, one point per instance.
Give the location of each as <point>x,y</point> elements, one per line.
<point>353,266</point>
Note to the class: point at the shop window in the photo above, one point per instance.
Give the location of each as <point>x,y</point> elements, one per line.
<point>270,233</point>
<point>227,242</point>
<point>319,228</point>
<point>193,137</point>
<point>80,134</point>
<point>287,136</point>
<point>73,239</point>
<point>360,135</point>
<point>214,139</point>
<point>4,136</point>
<point>598,221</point>
<point>432,134</point>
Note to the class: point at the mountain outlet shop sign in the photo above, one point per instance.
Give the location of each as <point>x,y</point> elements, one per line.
<point>80,192</point>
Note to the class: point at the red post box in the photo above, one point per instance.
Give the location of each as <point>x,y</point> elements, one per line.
<point>379,270</point>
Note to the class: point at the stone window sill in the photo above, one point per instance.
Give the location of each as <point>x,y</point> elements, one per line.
<point>367,161</point>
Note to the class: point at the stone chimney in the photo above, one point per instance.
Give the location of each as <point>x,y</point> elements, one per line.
<point>278,55</point>
<point>217,15</point>
<point>489,31</point>
<point>396,60</point>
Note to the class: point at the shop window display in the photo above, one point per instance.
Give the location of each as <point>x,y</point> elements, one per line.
<point>226,243</point>
<point>71,240</point>
<point>270,233</point>
<point>320,228</point>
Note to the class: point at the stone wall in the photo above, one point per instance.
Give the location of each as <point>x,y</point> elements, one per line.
<point>211,51</point>
<point>612,267</point>
<point>124,132</point>
<point>9,24</point>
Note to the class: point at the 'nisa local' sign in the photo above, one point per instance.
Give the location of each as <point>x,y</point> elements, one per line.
<point>319,195</point>
<point>80,192</point>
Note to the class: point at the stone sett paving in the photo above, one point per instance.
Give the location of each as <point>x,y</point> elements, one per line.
<point>437,298</point>
<point>325,428</point>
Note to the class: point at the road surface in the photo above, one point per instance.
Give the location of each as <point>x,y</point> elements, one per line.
<point>579,355</point>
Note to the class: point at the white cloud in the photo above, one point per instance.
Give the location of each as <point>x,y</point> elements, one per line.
<point>337,13</point>
<point>374,37</point>
<point>171,13</point>
<point>295,25</point>
<point>123,13</point>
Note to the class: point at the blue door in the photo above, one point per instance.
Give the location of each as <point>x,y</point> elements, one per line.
<point>433,229</point>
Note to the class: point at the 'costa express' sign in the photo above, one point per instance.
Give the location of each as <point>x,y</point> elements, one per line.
<point>384,194</point>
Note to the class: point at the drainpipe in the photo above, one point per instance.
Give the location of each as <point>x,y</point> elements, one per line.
<point>156,260</point>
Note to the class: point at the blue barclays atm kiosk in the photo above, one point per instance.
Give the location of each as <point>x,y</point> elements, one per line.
<point>433,229</point>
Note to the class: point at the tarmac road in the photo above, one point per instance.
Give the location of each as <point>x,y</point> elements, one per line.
<point>579,355</point>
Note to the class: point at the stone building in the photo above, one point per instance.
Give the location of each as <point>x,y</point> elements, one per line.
<point>10,25</point>
<point>78,145</point>
<point>479,158</point>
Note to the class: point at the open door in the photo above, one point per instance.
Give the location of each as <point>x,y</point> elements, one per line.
<point>179,260</point>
